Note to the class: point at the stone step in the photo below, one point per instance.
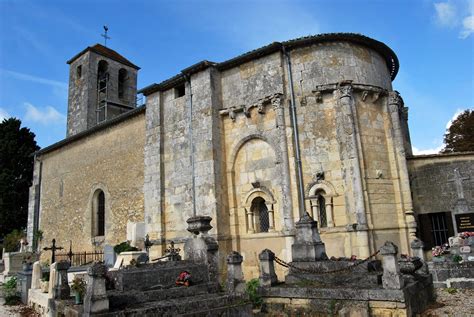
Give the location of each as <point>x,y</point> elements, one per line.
<point>119,299</point>
<point>214,304</point>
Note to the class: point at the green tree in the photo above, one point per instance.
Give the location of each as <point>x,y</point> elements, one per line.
<point>460,135</point>
<point>17,145</point>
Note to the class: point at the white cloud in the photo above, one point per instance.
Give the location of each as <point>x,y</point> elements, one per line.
<point>446,14</point>
<point>417,151</point>
<point>456,14</point>
<point>455,115</point>
<point>35,79</point>
<point>46,115</point>
<point>467,27</point>
<point>3,114</point>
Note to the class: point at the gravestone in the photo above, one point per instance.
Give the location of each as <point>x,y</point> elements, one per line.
<point>109,255</point>
<point>24,280</point>
<point>53,272</point>
<point>96,300</point>
<point>37,275</point>
<point>61,286</point>
<point>136,234</point>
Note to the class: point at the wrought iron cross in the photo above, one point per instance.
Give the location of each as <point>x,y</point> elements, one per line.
<point>173,253</point>
<point>105,36</point>
<point>53,249</point>
<point>147,243</point>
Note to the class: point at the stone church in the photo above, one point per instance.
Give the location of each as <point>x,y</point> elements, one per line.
<point>307,125</point>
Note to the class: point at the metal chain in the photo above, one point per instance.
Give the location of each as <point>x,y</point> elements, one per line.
<point>319,272</point>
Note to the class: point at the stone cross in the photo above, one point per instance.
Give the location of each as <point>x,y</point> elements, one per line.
<point>53,249</point>
<point>457,179</point>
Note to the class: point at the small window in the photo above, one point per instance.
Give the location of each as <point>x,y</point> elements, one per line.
<point>323,222</point>
<point>179,91</point>
<point>260,211</point>
<point>122,82</point>
<point>79,72</point>
<point>98,213</point>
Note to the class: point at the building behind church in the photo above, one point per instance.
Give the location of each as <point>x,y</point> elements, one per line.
<point>218,139</point>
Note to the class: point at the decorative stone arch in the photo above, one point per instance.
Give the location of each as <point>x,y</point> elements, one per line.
<point>236,148</point>
<point>320,195</point>
<point>253,217</point>
<point>99,211</point>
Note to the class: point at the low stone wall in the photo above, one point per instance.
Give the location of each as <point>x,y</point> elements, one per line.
<point>450,274</point>
<point>294,301</point>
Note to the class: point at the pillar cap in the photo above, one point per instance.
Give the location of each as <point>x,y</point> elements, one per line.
<point>389,248</point>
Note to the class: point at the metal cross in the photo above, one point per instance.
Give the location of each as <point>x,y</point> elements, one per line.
<point>147,243</point>
<point>105,36</point>
<point>173,253</point>
<point>53,249</point>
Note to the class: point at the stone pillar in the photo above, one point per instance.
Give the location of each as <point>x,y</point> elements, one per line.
<point>392,278</point>
<point>308,245</point>
<point>235,277</point>
<point>61,286</point>
<point>395,104</point>
<point>251,226</point>
<point>201,247</point>
<point>271,218</point>
<point>417,250</point>
<point>95,300</point>
<point>24,279</point>
<point>329,213</point>
<point>346,131</point>
<point>314,208</point>
<point>282,155</point>
<point>37,275</point>
<point>52,279</point>
<point>267,268</point>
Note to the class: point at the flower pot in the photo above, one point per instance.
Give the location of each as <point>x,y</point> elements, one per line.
<point>44,285</point>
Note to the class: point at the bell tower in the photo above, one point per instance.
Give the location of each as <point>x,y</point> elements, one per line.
<point>102,85</point>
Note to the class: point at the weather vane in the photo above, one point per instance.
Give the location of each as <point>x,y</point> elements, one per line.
<point>106,28</point>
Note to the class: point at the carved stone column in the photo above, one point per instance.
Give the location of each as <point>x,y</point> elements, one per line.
<point>395,104</point>
<point>314,208</point>
<point>250,221</point>
<point>346,134</point>
<point>271,218</point>
<point>286,203</point>
<point>329,218</point>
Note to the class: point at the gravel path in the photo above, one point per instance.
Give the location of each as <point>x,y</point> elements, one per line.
<point>458,304</point>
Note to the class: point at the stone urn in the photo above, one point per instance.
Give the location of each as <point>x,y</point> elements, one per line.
<point>409,266</point>
<point>44,286</point>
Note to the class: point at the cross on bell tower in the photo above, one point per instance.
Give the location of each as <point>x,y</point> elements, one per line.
<point>105,36</point>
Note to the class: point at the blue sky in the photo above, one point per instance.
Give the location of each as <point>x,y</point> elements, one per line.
<point>433,40</point>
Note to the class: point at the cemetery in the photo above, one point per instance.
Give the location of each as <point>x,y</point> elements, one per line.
<point>189,282</point>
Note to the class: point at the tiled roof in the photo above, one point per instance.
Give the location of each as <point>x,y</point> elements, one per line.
<point>107,52</point>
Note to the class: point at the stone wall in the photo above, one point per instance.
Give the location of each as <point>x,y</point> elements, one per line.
<point>243,148</point>
<point>82,97</point>
<point>111,160</point>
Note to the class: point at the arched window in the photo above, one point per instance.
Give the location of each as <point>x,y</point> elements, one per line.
<point>122,82</point>
<point>101,214</point>
<point>260,211</point>
<point>98,213</point>
<point>322,210</point>
<point>102,74</point>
